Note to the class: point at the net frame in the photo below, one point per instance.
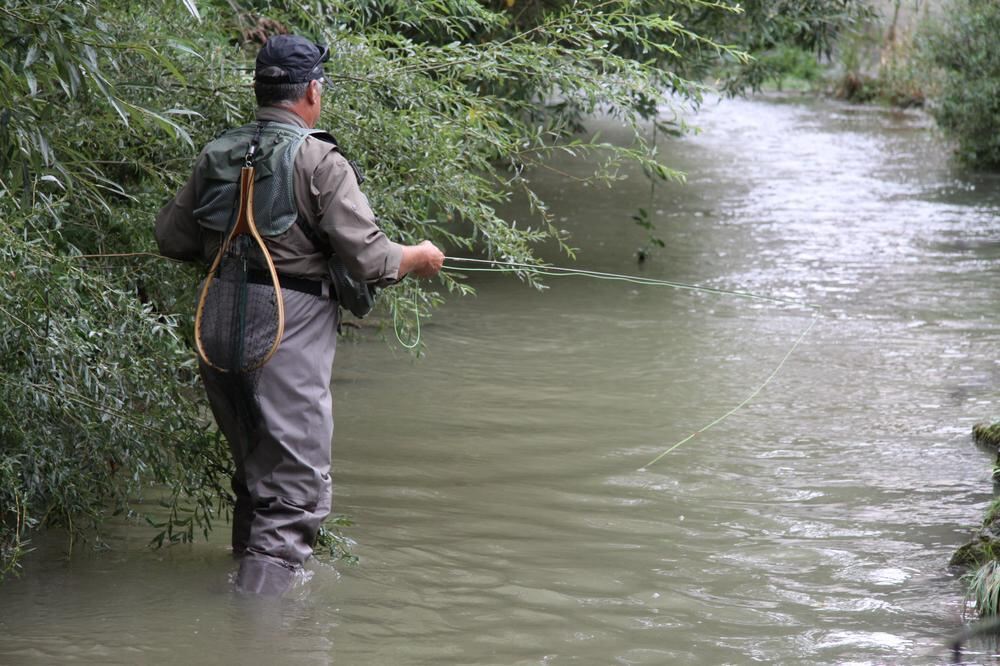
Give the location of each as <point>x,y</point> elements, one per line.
<point>244,226</point>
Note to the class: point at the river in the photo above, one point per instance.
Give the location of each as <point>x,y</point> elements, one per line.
<point>506,509</point>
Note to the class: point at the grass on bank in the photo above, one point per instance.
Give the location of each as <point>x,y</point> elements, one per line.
<point>982,553</point>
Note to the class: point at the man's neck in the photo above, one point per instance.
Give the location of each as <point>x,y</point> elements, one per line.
<point>281,114</point>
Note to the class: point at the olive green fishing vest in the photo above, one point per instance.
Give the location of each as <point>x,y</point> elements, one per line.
<point>218,177</point>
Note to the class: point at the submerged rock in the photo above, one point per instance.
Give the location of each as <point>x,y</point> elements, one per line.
<point>987,435</point>
<point>976,553</point>
<point>985,545</point>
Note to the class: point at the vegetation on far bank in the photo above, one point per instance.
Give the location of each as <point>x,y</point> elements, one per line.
<point>945,60</point>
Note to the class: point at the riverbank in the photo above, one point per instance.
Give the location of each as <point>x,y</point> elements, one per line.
<point>980,557</point>
<point>883,60</point>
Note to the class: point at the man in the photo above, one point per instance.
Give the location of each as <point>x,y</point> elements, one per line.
<point>282,453</point>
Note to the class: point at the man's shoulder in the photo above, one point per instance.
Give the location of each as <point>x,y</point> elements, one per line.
<point>320,149</point>
<point>322,136</point>
<point>226,140</point>
<point>229,132</point>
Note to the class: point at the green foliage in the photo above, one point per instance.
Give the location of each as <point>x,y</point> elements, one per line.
<point>987,435</point>
<point>791,64</point>
<point>16,522</point>
<point>884,62</point>
<point>968,107</point>
<point>992,512</point>
<point>95,380</point>
<point>93,384</point>
<point>972,554</point>
<point>905,76</point>
<point>984,588</point>
<point>985,546</point>
<point>766,28</point>
<point>643,220</point>
<point>332,542</point>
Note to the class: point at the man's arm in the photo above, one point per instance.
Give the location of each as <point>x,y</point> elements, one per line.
<point>178,235</point>
<point>347,221</point>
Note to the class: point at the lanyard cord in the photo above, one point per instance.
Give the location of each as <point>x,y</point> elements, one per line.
<point>254,144</point>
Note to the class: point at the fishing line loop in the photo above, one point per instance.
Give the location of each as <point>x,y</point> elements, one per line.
<point>395,322</point>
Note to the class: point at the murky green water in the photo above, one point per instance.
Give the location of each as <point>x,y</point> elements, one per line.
<point>501,515</point>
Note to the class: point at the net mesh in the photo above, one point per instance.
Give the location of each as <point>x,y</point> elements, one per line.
<point>239,323</point>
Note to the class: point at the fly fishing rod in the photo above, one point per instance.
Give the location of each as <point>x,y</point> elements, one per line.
<point>559,271</point>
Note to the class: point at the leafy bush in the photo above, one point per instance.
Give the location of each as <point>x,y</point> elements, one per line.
<point>984,588</point>
<point>968,107</point>
<point>94,380</point>
<point>779,34</point>
<point>792,64</point>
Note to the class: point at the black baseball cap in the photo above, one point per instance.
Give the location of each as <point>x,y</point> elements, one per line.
<point>301,59</point>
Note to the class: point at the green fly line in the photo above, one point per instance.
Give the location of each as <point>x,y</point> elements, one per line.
<point>491,266</point>
<point>396,326</point>
<point>559,271</point>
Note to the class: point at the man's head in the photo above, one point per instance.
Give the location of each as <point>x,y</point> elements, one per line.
<point>289,73</point>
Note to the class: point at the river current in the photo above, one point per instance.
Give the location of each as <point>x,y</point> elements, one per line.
<point>506,511</point>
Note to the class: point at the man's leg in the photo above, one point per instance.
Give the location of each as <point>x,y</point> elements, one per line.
<point>287,469</point>
<point>242,514</point>
<point>237,421</point>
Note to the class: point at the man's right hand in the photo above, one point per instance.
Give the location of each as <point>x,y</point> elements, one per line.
<point>422,260</point>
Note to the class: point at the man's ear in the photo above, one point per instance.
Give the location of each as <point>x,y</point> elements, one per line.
<point>314,91</point>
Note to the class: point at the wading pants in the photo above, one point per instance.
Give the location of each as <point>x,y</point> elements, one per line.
<point>282,456</point>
